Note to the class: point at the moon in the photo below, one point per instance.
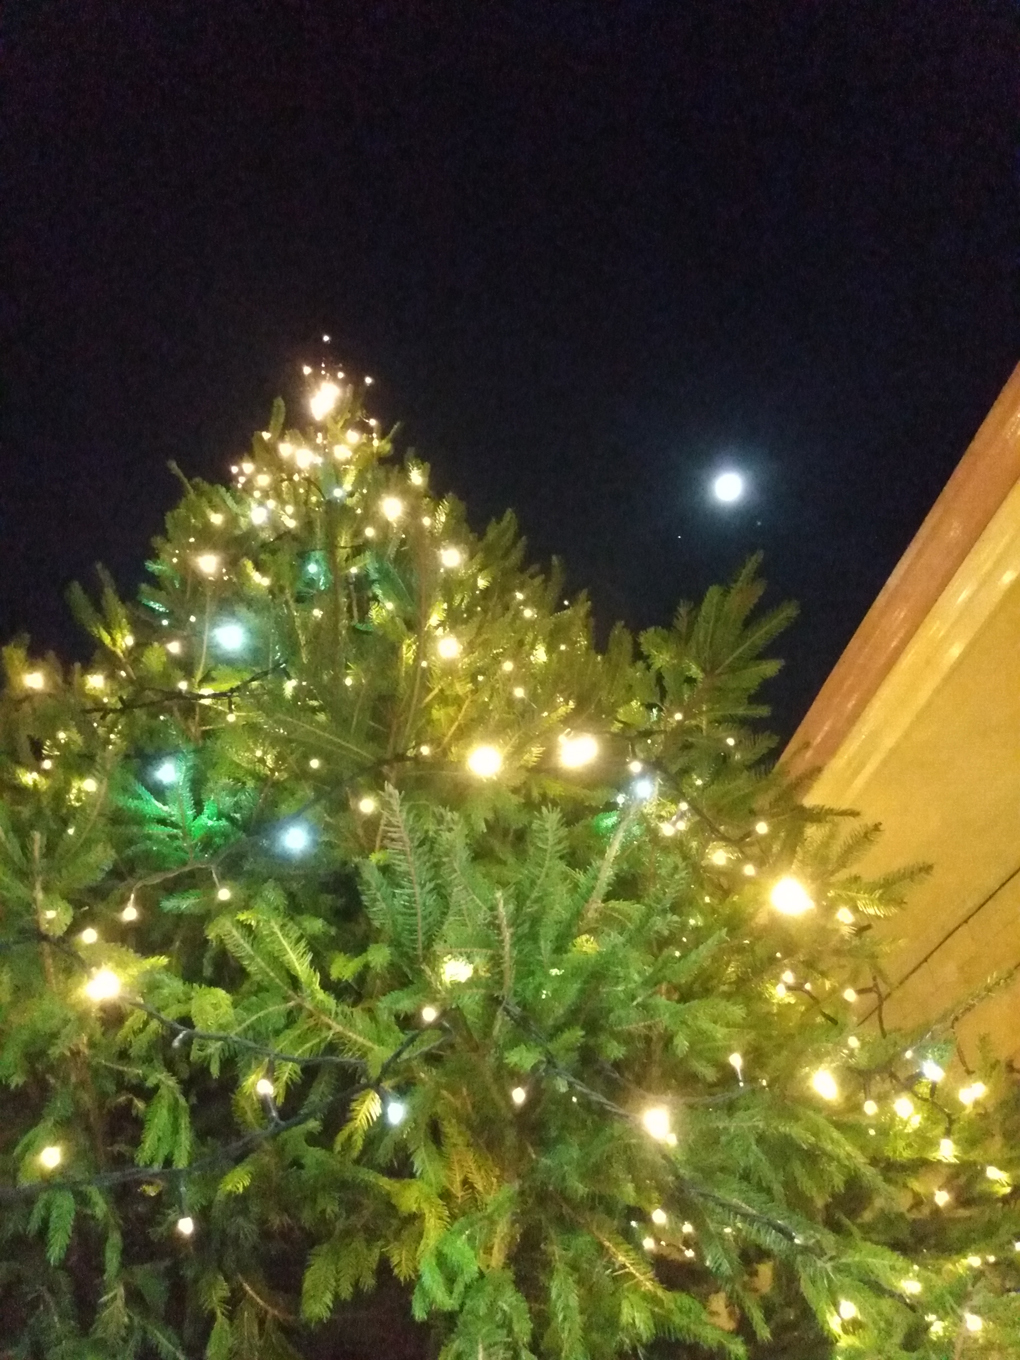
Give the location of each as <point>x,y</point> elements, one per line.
<point>728,487</point>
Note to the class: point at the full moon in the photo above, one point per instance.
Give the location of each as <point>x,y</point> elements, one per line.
<point>728,487</point>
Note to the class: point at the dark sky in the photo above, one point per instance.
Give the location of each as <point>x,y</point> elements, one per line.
<point>589,251</point>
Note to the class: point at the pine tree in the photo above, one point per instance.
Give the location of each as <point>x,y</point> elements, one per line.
<point>375,950</point>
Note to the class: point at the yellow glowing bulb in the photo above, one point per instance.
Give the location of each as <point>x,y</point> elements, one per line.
<point>577,750</point>
<point>656,1122</point>
<point>103,986</point>
<point>969,1094</point>
<point>50,1157</point>
<point>972,1322</point>
<point>667,828</point>
<point>736,1062</point>
<point>264,1087</point>
<point>89,785</point>
<point>780,989</point>
<point>659,1217</point>
<point>518,691</point>
<point>648,1243</point>
<point>942,1198</point>
<point>903,1106</point>
<point>847,1310</point>
<point>448,647</point>
<point>174,648</point>
<point>415,477</point>
<point>429,1014</point>
<point>130,913</point>
<point>314,763</point>
<point>790,897</point>
<point>457,970</point>
<point>34,680</point>
<point>208,563</point>
<point>719,857</point>
<point>367,805</point>
<point>825,1084</point>
<point>95,681</point>
<point>849,994</point>
<point>451,556</point>
<point>186,1226</point>
<point>871,1108</point>
<point>761,828</point>
<point>485,762</point>
<point>392,508</point>
<point>788,978</point>
<point>323,400</point>
<point>853,1041</point>
<point>353,437</point>
<point>89,935</point>
<point>223,895</point>
<point>518,1095</point>
<point>947,1148</point>
<point>994,1174</point>
<point>845,916</point>
<point>750,870</point>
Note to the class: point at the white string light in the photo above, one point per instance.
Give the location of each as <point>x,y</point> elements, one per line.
<point>103,985</point>
<point>790,897</point>
<point>485,762</point>
<point>50,1157</point>
<point>825,1084</point>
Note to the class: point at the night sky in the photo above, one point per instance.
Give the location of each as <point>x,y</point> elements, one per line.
<point>590,252</point>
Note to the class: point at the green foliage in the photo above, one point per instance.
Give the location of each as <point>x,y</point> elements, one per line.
<point>511,1063</point>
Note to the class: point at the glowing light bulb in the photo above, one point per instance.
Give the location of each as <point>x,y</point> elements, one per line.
<point>994,1174</point>
<point>296,838</point>
<point>186,1225</point>
<point>89,935</point>
<point>871,1108</point>
<point>230,636</point>
<point>969,1094</point>
<point>849,994</point>
<point>95,681</point>
<point>903,1106</point>
<point>518,691</point>
<point>931,1070</point>
<point>635,766</point>
<point>103,986</point>
<point>518,1095</point>
<point>667,828</point>
<point>780,989</point>
<point>790,897</point>
<point>264,1087</point>
<point>223,894</point>
<point>577,750</point>
<point>485,762</point>
<point>457,970</point>
<point>208,564</point>
<point>761,828</point>
<point>50,1157</point>
<point>719,857</point>
<point>314,763</point>
<point>659,1217</point>
<point>130,913</point>
<point>416,477</point>
<point>845,916</point>
<point>89,785</point>
<point>973,1322</point>
<point>825,1084</point>
<point>396,1112</point>
<point>367,805</point>
<point>450,556</point>
<point>853,1041</point>
<point>728,487</point>
<point>749,871</point>
<point>353,437</point>
<point>789,978</point>
<point>947,1148</point>
<point>648,1243</point>
<point>259,514</point>
<point>657,1123</point>
<point>323,400</point>
<point>392,508</point>
<point>174,647</point>
<point>736,1062</point>
<point>304,459</point>
<point>942,1198</point>
<point>643,789</point>
<point>429,1014</point>
<point>34,680</point>
<point>847,1310</point>
<point>166,773</point>
<point>448,647</point>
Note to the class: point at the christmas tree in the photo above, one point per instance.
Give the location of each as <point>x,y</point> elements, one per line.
<point>383,963</point>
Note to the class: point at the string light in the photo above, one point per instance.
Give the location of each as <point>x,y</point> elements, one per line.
<point>448,647</point>
<point>485,762</point>
<point>34,680</point>
<point>367,805</point>
<point>657,1123</point>
<point>849,994</point>
<point>947,1148</point>
<point>760,827</point>
<point>737,1063</point>
<point>825,1084</point>
<point>95,681</point>
<point>230,636</point>
<point>648,1243</point>
<point>166,773</point>
<point>643,789</point>
<point>931,1070</point>
<point>89,935</point>
<point>518,1095</point>
<point>323,400</point>
<point>392,508</point>
<point>89,785</point>
<point>103,986</point>
<point>635,766</point>
<point>50,1157</point>
<point>847,1310</point>
<point>969,1094</point>
<point>450,556</point>
<point>973,1322</point>
<point>790,897</point>
<point>577,751</point>
<point>259,514</point>
<point>296,838</point>
<point>174,647</point>
<point>130,912</point>
<point>264,1087</point>
<point>659,1217</point>
<point>457,970</point>
<point>749,871</point>
<point>223,894</point>
<point>186,1225</point>
<point>396,1112</point>
<point>942,1198</point>
<point>429,1014</point>
<point>903,1106</point>
<point>668,828</point>
<point>845,916</point>
<point>871,1108</point>
<point>208,564</point>
<point>994,1174</point>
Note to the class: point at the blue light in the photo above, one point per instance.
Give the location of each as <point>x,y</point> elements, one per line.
<point>230,636</point>
<point>296,838</point>
<point>396,1112</point>
<point>166,773</point>
<point>643,789</point>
